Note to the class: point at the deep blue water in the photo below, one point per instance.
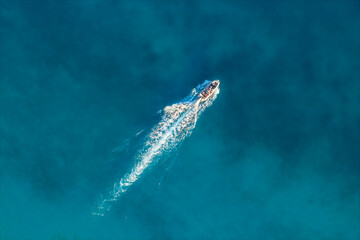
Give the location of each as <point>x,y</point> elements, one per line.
<point>276,156</point>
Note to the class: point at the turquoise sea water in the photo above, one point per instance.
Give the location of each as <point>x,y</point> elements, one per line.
<point>276,156</point>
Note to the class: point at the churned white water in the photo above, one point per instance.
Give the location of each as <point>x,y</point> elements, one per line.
<point>177,122</point>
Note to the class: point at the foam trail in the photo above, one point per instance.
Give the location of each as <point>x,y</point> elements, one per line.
<point>178,121</point>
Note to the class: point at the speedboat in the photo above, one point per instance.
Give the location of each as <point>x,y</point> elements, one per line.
<point>208,90</point>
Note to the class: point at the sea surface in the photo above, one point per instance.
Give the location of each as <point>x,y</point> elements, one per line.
<point>276,156</point>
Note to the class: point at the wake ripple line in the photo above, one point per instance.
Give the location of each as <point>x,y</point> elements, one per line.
<point>177,122</point>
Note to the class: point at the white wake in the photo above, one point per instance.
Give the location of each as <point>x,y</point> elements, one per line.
<point>177,122</point>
